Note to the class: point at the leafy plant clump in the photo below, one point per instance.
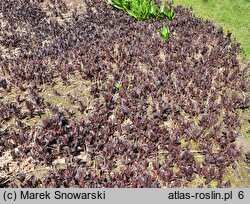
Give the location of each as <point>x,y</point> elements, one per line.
<point>118,86</point>
<point>143,9</point>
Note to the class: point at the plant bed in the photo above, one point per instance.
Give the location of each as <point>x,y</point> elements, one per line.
<point>96,98</point>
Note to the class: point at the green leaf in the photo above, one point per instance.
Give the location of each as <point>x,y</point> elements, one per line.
<point>162,8</point>
<point>131,13</point>
<point>154,10</point>
<point>118,86</point>
<point>116,3</point>
<point>169,13</point>
<point>165,34</point>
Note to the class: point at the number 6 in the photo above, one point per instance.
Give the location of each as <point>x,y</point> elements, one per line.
<point>241,195</point>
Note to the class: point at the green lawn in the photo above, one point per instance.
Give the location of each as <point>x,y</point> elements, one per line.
<point>232,15</point>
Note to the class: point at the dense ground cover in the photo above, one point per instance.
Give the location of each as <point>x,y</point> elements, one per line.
<point>95,98</point>
<point>232,15</point>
